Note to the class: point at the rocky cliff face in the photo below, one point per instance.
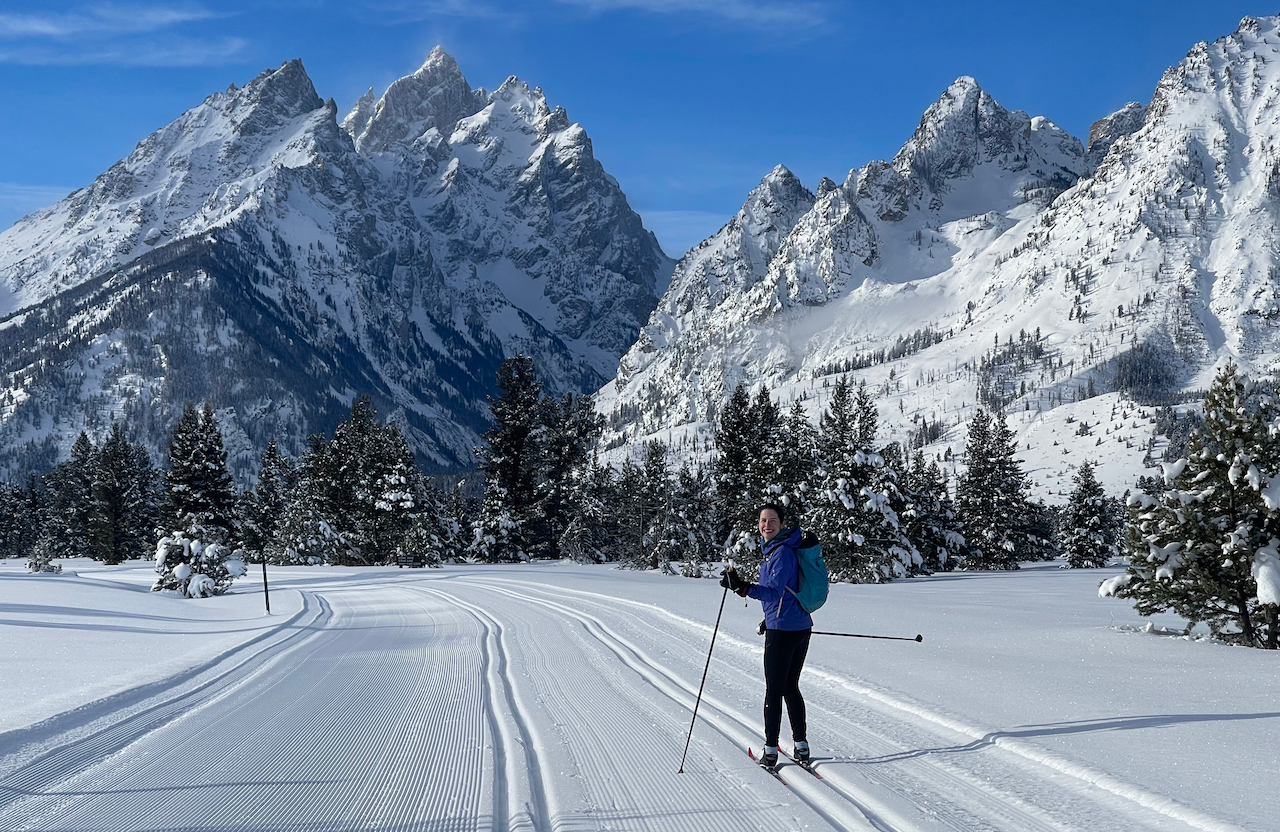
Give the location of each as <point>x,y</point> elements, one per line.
<point>257,254</point>
<point>742,304</point>
<point>928,275</point>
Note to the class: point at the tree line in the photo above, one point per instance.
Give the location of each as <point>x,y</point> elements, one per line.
<point>1202,541</point>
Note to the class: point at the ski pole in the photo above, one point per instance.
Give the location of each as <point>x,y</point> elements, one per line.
<point>704,681</point>
<point>859,635</point>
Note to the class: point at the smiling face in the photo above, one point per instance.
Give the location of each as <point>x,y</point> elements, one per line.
<point>770,524</point>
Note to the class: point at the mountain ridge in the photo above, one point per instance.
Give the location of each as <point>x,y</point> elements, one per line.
<point>415,258</point>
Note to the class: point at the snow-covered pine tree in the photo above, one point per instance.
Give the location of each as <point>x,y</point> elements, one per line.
<point>630,513</point>
<point>695,520</point>
<point>931,522</point>
<point>569,429</point>
<point>664,538</point>
<point>991,497</point>
<point>422,540</point>
<point>1090,535</point>
<point>1206,548</point>
<point>508,460</point>
<point>372,485</point>
<point>457,523</point>
<point>589,537</point>
<point>862,538</point>
<point>797,451</point>
<point>307,533</point>
<point>197,553</point>
<point>764,463</point>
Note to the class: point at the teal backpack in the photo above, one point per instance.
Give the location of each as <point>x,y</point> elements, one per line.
<point>814,581</point>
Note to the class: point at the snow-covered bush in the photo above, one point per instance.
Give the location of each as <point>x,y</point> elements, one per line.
<point>194,568</point>
<point>41,560</point>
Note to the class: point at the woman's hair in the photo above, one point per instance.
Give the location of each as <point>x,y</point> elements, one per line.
<point>776,509</point>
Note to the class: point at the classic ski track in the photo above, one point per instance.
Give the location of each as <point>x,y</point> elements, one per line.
<point>1050,772</point>
<point>497,677</point>
<point>344,746</point>
<point>66,744</point>
<point>847,813</point>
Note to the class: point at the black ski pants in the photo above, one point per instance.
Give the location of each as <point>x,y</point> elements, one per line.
<point>784,653</point>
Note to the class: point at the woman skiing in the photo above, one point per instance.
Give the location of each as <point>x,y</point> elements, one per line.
<point>787,628</point>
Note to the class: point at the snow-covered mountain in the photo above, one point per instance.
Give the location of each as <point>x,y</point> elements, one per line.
<point>258,254</point>
<point>994,259</point>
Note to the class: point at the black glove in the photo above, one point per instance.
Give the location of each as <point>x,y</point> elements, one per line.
<point>731,581</point>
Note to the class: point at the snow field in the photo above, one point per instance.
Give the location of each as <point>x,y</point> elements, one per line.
<point>558,697</point>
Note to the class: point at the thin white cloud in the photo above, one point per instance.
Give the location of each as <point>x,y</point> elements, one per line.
<point>791,15</point>
<point>114,33</point>
<point>173,51</point>
<point>16,201</point>
<point>99,21</point>
<point>418,10</point>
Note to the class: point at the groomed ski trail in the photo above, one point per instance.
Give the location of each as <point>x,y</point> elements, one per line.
<point>483,701</point>
<point>903,765</point>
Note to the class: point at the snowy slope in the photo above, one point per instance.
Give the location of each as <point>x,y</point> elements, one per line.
<point>256,254</point>
<point>975,232</point>
<point>557,696</point>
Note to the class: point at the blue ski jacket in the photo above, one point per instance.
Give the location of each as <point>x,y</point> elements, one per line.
<point>779,580</point>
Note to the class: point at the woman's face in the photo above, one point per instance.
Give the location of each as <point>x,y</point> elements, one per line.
<point>770,524</point>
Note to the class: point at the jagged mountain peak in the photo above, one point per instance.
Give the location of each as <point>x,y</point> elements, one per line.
<point>436,95</point>
<point>256,254</point>
<point>1108,130</point>
<point>274,96</point>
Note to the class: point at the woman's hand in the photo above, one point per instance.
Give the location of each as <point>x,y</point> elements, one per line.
<point>731,581</point>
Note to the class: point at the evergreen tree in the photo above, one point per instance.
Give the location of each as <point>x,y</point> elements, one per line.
<point>991,497</point>
<point>592,531</point>
<point>736,443</point>
<point>456,524</point>
<point>265,508</point>
<point>664,540</point>
<point>125,500</point>
<point>509,460</point>
<point>1201,546</point>
<point>797,451</point>
<point>199,497</point>
<point>197,552</point>
<point>72,517</point>
<point>852,507</point>
<point>694,521</point>
<point>20,519</point>
<point>498,537</point>
<point>569,430</point>
<point>1090,535</point>
<point>931,522</point>
<point>308,533</point>
<point>631,514</point>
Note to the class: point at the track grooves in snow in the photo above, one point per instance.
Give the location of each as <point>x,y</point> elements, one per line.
<point>363,726</point>
<point>735,727</point>
<point>136,712</point>
<point>961,800</point>
<point>497,675</point>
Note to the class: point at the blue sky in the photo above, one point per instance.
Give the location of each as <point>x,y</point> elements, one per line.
<point>688,102</point>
